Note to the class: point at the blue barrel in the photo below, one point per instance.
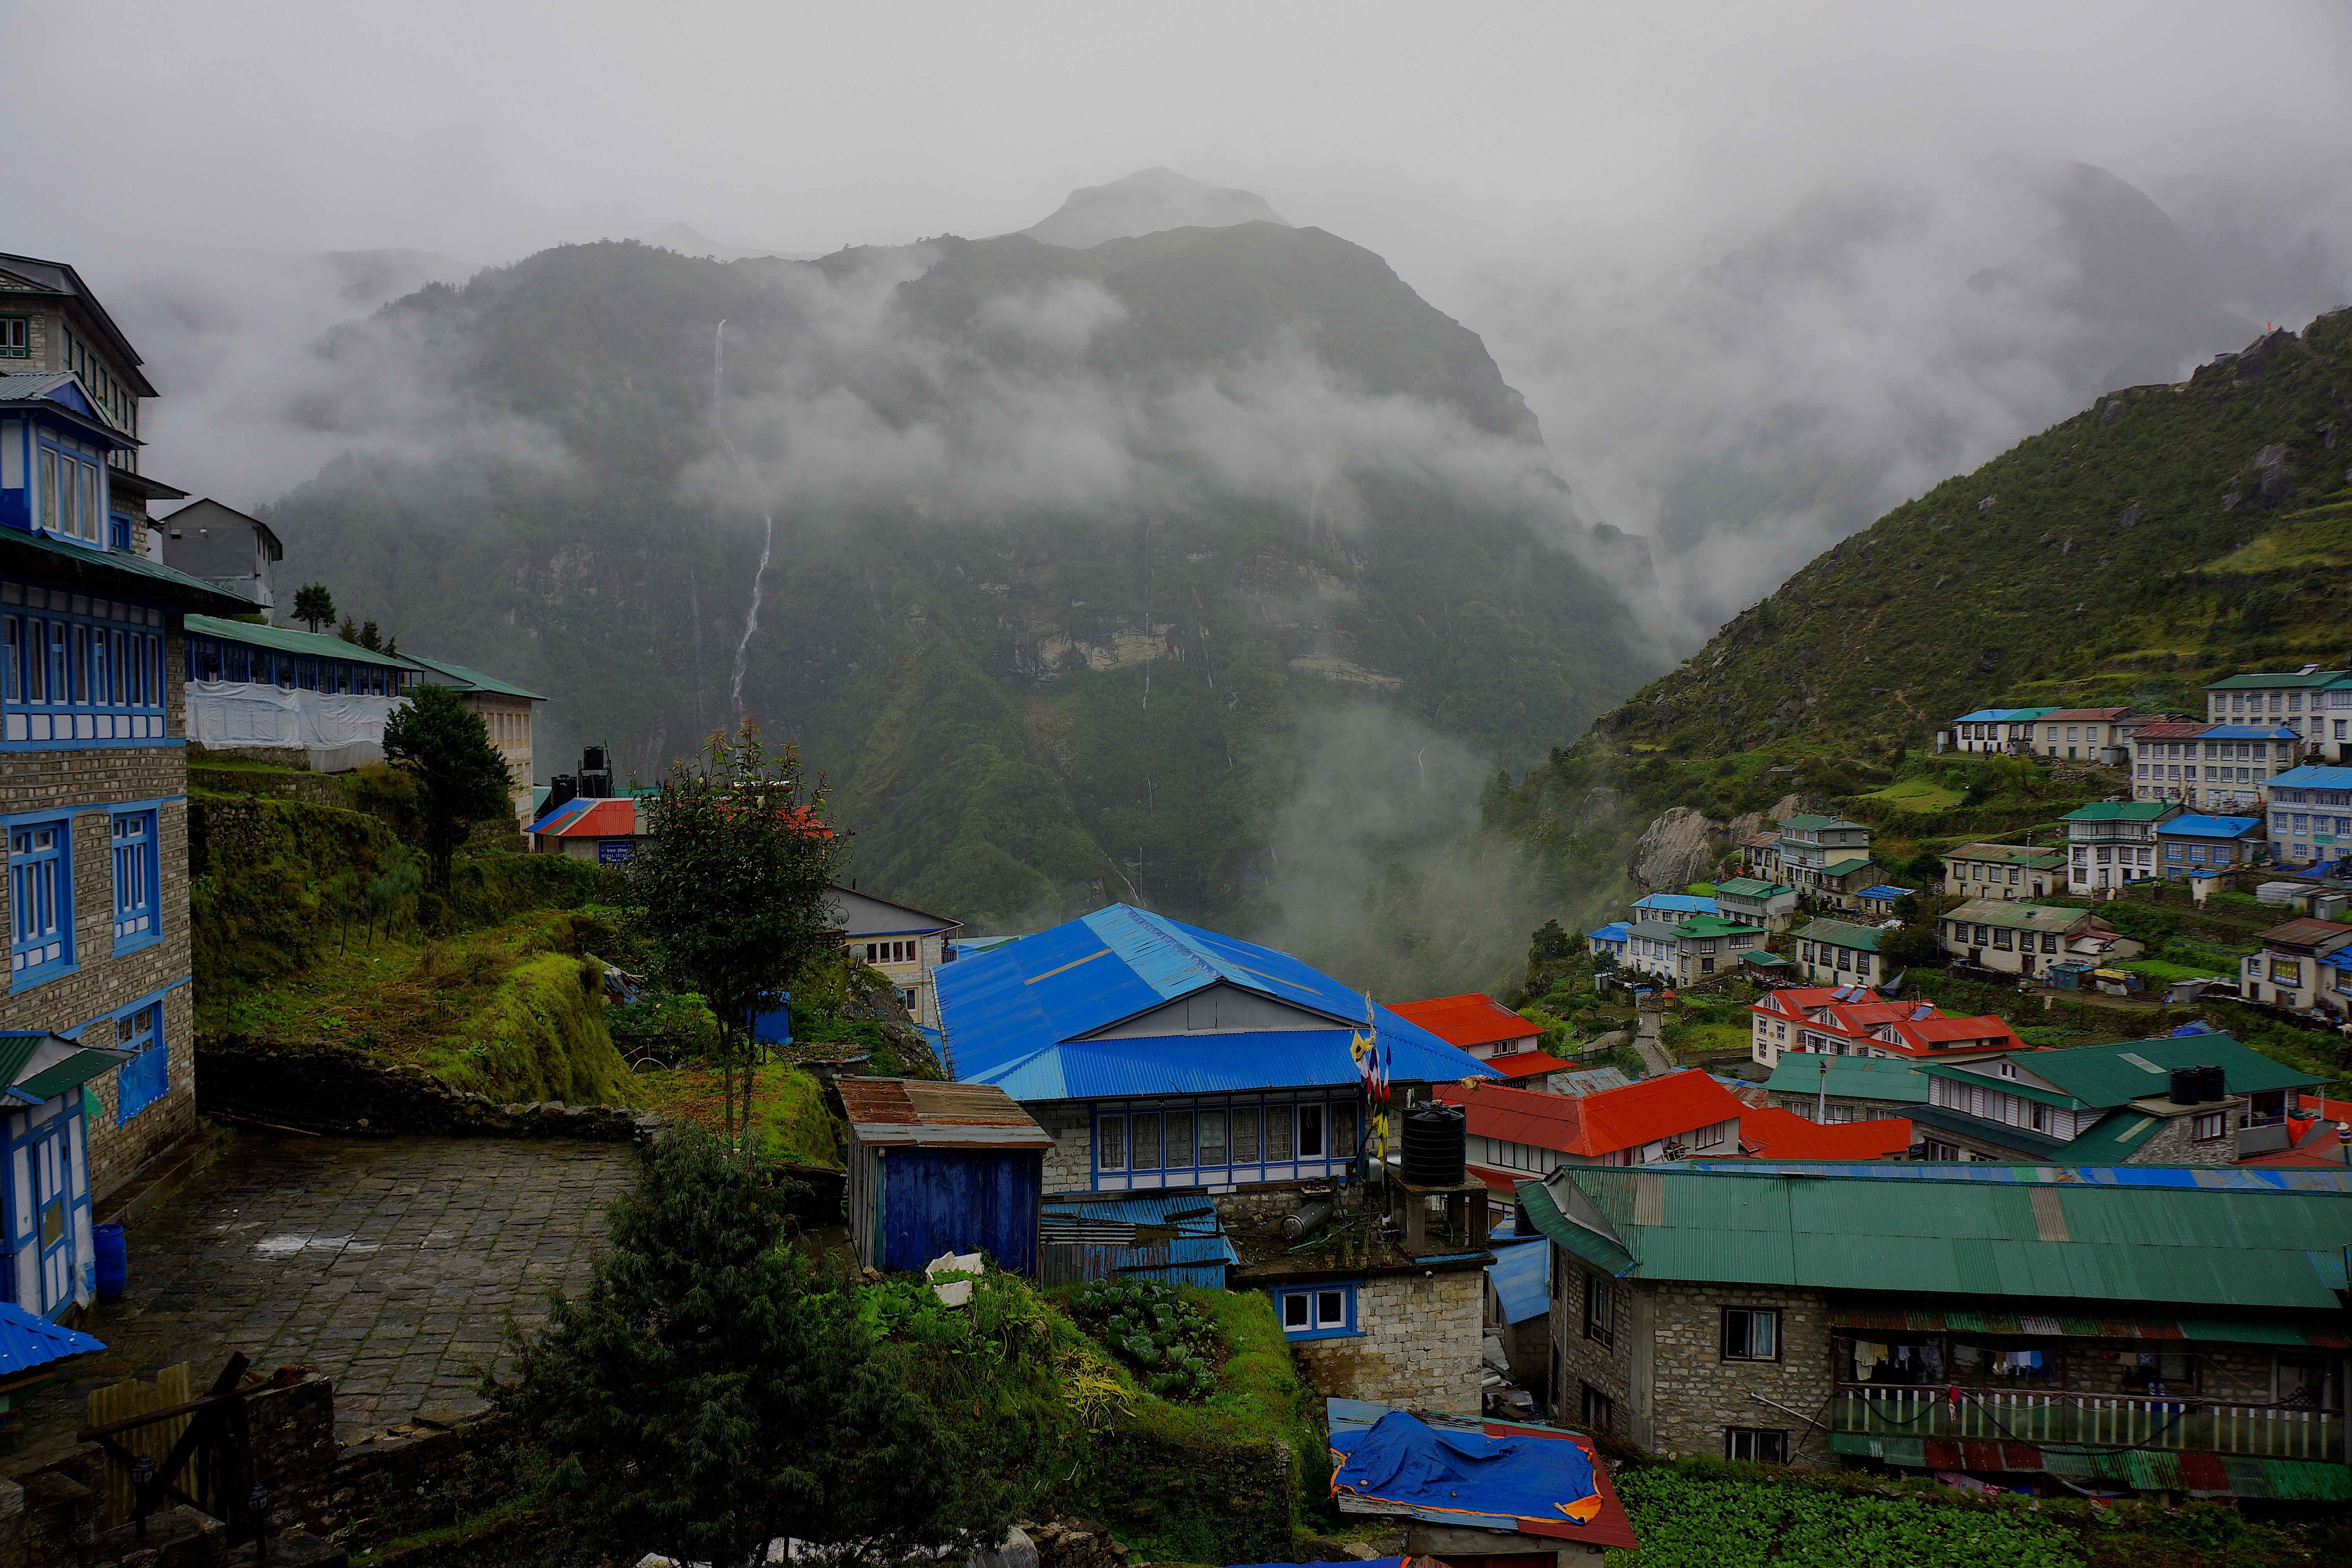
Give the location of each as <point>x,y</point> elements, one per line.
<point>114,1262</point>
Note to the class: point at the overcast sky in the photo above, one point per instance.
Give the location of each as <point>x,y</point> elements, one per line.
<point>1552,175</point>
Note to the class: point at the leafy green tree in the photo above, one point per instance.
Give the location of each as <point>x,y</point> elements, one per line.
<point>313,605</point>
<point>732,860</point>
<point>349,631</point>
<point>444,748</point>
<point>710,1394</point>
<point>1549,943</point>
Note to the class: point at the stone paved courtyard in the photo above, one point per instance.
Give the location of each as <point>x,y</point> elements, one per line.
<point>387,1265</point>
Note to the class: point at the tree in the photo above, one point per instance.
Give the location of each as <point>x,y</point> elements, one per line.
<point>731,865</point>
<point>313,605</point>
<point>443,746</point>
<point>349,631</point>
<point>707,1396</point>
<point>370,637</point>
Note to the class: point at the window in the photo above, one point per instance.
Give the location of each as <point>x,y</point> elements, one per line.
<point>138,900</point>
<point>1756,1445</point>
<point>1143,1139</point>
<point>1178,1136</point>
<point>146,1079</point>
<point>1319,1312</point>
<point>40,898</point>
<point>15,337</point>
<point>1751,1334</point>
<point>2210,1125</point>
<point>1246,1137</point>
<point>1212,1138</point>
<point>1600,1411</point>
<point>1277,1134</point>
<point>1110,1143</point>
<point>2007,1069</point>
<point>1599,1310</point>
<point>78,668</point>
<point>1310,1132</point>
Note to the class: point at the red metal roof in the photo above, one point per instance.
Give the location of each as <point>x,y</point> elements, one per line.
<point>1470,1019</point>
<point>1772,1133</point>
<point>1596,1124</point>
<point>1938,1035</point>
<point>2171,731</point>
<point>1527,1064</point>
<point>1797,1000</point>
<point>2095,714</point>
<point>605,819</point>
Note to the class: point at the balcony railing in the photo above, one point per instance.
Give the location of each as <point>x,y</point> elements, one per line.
<point>2101,1420</point>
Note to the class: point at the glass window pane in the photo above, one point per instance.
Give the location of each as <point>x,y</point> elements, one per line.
<point>1310,1132</point>
<point>1212,1137</point>
<point>1110,1143</point>
<point>1143,1132</point>
<point>1330,1309</point>
<point>1245,1136</point>
<point>1277,1132</point>
<point>1180,1140</point>
<point>1294,1310</point>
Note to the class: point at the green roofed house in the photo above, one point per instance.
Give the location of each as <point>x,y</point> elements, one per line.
<point>1825,858</point>
<point>2180,1334</point>
<point>2303,701</point>
<point>2112,842</point>
<point>2199,1099</point>
<point>1839,953</point>
<point>1824,1088</point>
<point>2018,938</point>
<point>1687,951</point>
<point>2004,871</point>
<point>1753,901</point>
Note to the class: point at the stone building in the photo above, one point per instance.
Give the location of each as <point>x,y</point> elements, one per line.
<point>96,1029</point>
<point>1946,1318</point>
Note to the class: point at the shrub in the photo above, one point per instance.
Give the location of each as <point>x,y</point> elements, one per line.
<point>1171,1345</point>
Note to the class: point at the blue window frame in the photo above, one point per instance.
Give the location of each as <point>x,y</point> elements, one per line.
<point>146,1077</point>
<point>138,891</point>
<point>76,668</point>
<point>40,899</point>
<point>1317,1311</point>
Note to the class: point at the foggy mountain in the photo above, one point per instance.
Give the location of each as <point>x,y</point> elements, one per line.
<point>1210,568</point>
<point>1868,340</point>
<point>1144,203</point>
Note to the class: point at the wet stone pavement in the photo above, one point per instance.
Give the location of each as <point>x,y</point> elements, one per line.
<point>389,1266</point>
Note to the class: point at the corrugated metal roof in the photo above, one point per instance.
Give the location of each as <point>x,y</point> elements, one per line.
<point>1849,1077</point>
<point>926,1113</point>
<point>2314,778</point>
<point>1842,934</point>
<point>2058,1239</point>
<point>1751,888</point>
<point>1675,903</point>
<point>590,819</point>
<point>1809,822</point>
<point>2120,811</point>
<point>2214,1178</point>
<point>1472,1018</point>
<point>1615,931</point>
<point>474,680</point>
<point>2106,1076</point>
<point>2281,679</point>
<point>284,639</point>
<point>2017,915</point>
<point>1522,1285</point>
<point>2208,826</point>
<point>1183,1239</point>
<point>2305,932</point>
<point>2221,1330</point>
<point>1776,1134</point>
<point>2006,855</point>
<point>154,579</point>
<point>1526,1064</point>
<point>1594,1124</point>
<point>29,1341</point>
<point>1018,1017</point>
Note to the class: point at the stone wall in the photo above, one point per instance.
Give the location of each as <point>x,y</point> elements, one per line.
<point>2171,1143</point>
<point>1418,1346</point>
<point>324,1086</point>
<point>81,784</point>
<point>1070,1163</point>
<point>1696,1394</point>
<point>1579,1363</point>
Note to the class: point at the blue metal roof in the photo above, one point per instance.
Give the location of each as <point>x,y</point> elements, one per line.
<point>2001,715</point>
<point>2314,778</point>
<point>1188,1250</point>
<point>2249,732</point>
<point>1885,890</point>
<point>1680,903</point>
<point>29,1341</point>
<point>1521,1286</point>
<point>1615,931</point>
<point>2208,826</point>
<point>1018,1017</point>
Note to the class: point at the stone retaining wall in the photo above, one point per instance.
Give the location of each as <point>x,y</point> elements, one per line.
<point>1418,1348</point>
<point>322,1088</point>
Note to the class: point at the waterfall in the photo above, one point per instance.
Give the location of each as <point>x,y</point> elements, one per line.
<point>768,544</point>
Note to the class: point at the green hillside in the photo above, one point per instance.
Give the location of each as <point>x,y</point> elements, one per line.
<point>2163,536</point>
<point>1022,707</point>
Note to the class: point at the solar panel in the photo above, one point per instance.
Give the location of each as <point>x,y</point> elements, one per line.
<point>2140,1062</point>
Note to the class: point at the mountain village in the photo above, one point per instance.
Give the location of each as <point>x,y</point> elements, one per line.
<point>1961,1171</point>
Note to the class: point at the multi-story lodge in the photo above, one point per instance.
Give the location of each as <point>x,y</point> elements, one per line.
<point>96,1029</point>
<point>2304,700</point>
<point>2175,1332</point>
<point>2003,871</point>
<point>2309,813</point>
<point>2112,842</point>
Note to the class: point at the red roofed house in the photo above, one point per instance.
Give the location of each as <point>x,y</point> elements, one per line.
<point>1781,1019</point>
<point>1479,1024</point>
<point>1514,1134</point>
<point>1769,1132</point>
<point>601,830</point>
<point>1852,1022</point>
<point>1950,1039</point>
<point>1531,1069</point>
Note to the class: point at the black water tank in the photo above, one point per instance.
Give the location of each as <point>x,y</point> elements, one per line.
<point>2188,1086</point>
<point>1432,1144</point>
<point>2215,1084</point>
<point>561,789</point>
<point>591,759</point>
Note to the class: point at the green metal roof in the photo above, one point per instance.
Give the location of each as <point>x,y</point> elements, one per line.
<point>2039,1148</point>
<point>2281,682</point>
<point>475,679</point>
<point>2058,1098</point>
<point>2007,854</point>
<point>1716,925</point>
<point>1842,934</point>
<point>2107,1075</point>
<point>1751,888</point>
<point>2017,915</point>
<point>1845,867</point>
<point>150,578</point>
<point>2054,1239</point>
<point>2122,811</point>
<point>1810,822</point>
<point>2113,1141</point>
<point>1768,960</point>
<point>284,639</point>
<point>1850,1077</point>
<point>37,1066</point>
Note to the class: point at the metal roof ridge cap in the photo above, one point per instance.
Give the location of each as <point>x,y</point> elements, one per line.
<point>1156,930</point>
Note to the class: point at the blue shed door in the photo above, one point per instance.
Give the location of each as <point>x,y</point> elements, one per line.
<point>48,1206</point>
<point>940,1200</point>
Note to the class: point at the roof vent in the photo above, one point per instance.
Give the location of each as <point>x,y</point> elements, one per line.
<point>2308,670</point>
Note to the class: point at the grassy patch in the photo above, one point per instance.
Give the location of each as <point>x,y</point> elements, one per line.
<point>787,1103</point>
<point>2165,970</point>
<point>1917,796</point>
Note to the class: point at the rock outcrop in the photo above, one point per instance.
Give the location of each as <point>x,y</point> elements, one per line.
<point>1681,847</point>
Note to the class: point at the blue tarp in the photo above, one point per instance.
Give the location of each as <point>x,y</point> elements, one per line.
<point>1520,1279</point>
<point>1402,1460</point>
<point>29,1341</point>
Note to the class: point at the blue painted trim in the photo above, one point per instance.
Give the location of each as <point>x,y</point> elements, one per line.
<point>1349,1331</point>
<point>23,980</point>
<point>89,746</point>
<point>152,999</point>
<point>129,945</point>
<point>158,804</point>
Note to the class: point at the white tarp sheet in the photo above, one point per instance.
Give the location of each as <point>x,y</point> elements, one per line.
<point>237,713</point>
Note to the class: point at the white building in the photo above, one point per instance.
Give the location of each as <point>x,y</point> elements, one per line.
<point>2112,842</point>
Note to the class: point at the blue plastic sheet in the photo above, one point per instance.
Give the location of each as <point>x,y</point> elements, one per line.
<point>1403,1460</point>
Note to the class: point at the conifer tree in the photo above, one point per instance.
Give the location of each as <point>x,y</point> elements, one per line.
<point>438,740</point>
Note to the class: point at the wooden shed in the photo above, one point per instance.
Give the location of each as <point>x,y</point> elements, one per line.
<point>941,1167</point>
